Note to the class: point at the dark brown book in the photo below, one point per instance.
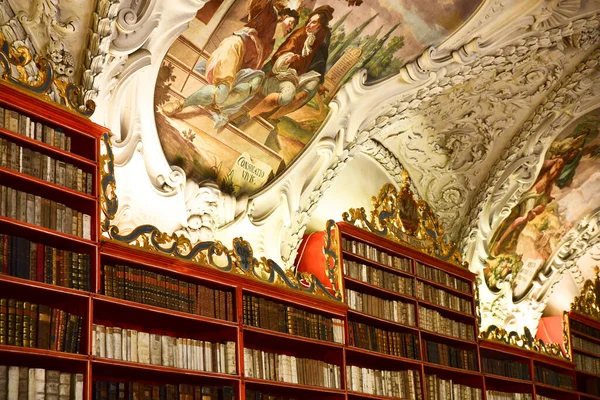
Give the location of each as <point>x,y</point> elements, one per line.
<point>11,319</point>
<point>3,320</point>
<point>43,327</point>
<point>23,383</point>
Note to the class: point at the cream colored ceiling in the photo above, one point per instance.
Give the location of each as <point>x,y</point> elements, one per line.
<point>470,120</point>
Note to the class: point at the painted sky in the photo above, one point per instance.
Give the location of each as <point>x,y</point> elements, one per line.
<point>424,22</point>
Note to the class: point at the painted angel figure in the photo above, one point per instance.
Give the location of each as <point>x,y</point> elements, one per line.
<point>233,70</point>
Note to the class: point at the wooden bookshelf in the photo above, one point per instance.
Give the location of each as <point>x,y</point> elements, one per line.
<point>364,269</point>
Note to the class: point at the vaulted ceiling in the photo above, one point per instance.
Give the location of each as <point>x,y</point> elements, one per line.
<point>486,95</point>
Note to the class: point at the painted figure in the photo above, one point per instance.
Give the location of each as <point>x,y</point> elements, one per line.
<point>233,70</point>
<point>298,67</point>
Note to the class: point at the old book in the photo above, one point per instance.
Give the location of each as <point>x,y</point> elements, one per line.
<point>64,386</point>
<point>3,382</point>
<point>144,347</point>
<point>3,320</point>
<point>23,383</point>
<point>155,349</point>
<point>101,336</point>
<point>110,342</point>
<point>37,384</point>
<point>13,121</point>
<point>117,342</point>
<point>11,321</point>
<point>13,383</point>
<point>43,327</point>
<point>86,227</point>
<point>77,387</point>
<point>134,345</point>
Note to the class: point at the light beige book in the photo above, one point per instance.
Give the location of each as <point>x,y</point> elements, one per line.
<point>179,351</point>
<point>13,383</point>
<point>37,379</point>
<point>52,384</point>
<point>117,342</point>
<point>166,349</point>
<point>110,342</point>
<point>77,389</point>
<point>134,345</point>
<point>101,335</point>
<point>64,386</point>
<point>144,347</point>
<point>155,349</point>
<point>126,345</point>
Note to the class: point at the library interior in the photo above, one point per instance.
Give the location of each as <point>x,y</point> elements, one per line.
<point>299,199</point>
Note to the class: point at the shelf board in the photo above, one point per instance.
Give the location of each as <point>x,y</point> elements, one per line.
<point>380,289</point>
<point>377,264</point>
<point>267,382</point>
<point>295,338</point>
<point>585,336</point>
<point>446,337</point>
<point>46,231</point>
<point>360,351</point>
<point>588,396</point>
<point>32,351</point>
<point>580,371</point>
<point>159,368</point>
<point>585,352</point>
<point>63,190</point>
<point>503,378</point>
<point>392,324</point>
<point>563,390</point>
<point>46,148</point>
<point>359,395</point>
<point>447,368</point>
<point>446,309</point>
<point>444,287</point>
<point>44,286</point>
<point>159,310</point>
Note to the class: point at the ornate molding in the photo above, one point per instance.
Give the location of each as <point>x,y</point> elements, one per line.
<point>588,302</point>
<point>240,260</point>
<point>19,66</point>
<point>396,215</point>
<point>332,251</point>
<point>524,341</point>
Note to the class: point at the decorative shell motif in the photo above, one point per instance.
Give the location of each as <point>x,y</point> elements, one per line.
<point>398,216</point>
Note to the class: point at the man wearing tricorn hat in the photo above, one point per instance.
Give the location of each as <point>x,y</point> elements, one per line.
<point>298,67</point>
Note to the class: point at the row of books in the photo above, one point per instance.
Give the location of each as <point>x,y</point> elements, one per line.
<point>374,276</point>
<point>432,320</point>
<point>285,368</point>
<point>587,363</point>
<point>586,345</point>
<point>26,324</point>
<point>540,397</point>
<point>554,378</point>
<point>404,384</point>
<point>442,298</point>
<point>449,356</point>
<point>577,326</point>
<point>41,166</point>
<point>256,395</point>
<point>588,385</point>
<point>149,348</point>
<point>446,389</point>
<point>444,278</point>
<point>18,383</point>
<point>497,395</point>
<point>22,258</point>
<point>23,125</point>
<point>36,210</point>
<point>507,368</point>
<point>267,314</point>
<point>374,254</point>
<point>398,344</point>
<point>146,287</point>
<point>111,390</point>
<point>393,310</point>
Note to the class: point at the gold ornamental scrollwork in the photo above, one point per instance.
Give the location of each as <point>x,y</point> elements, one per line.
<point>587,303</point>
<point>36,74</point>
<point>239,260</point>
<point>525,341</point>
<point>398,216</point>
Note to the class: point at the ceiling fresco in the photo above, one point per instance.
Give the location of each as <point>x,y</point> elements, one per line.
<point>564,192</point>
<point>243,90</point>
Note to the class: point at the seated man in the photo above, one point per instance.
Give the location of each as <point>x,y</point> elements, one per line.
<point>233,69</point>
<point>298,67</point>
